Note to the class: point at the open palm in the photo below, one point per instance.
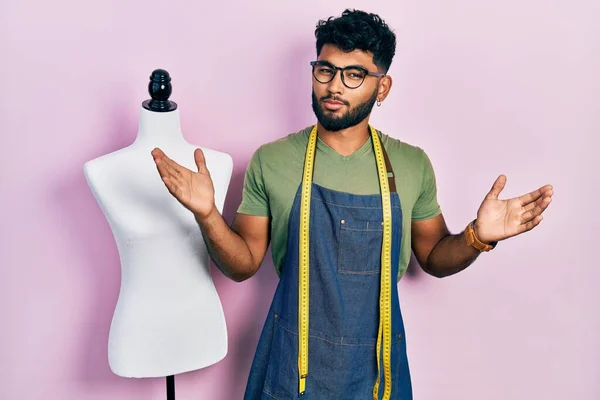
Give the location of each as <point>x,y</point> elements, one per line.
<point>500,219</point>
<point>194,190</point>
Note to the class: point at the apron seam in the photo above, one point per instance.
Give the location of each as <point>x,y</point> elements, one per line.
<point>398,338</point>
<point>266,391</point>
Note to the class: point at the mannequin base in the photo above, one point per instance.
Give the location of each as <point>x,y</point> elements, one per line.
<point>171,387</point>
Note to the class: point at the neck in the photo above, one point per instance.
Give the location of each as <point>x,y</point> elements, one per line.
<point>159,128</point>
<point>346,141</point>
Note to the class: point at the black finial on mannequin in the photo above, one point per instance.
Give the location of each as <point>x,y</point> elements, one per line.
<point>160,89</point>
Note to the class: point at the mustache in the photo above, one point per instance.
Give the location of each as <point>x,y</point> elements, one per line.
<point>334,98</point>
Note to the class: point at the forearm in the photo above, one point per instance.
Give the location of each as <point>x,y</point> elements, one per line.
<point>450,255</point>
<point>229,251</point>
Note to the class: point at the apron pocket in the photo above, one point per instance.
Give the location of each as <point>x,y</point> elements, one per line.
<point>359,247</point>
<point>281,381</point>
<point>336,365</point>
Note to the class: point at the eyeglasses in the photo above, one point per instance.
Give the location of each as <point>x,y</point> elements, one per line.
<point>352,76</point>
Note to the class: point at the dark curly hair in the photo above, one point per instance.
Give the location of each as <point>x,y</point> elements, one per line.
<point>356,29</point>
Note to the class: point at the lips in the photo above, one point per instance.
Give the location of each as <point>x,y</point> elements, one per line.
<point>333,105</point>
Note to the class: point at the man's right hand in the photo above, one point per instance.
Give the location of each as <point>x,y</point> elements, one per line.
<point>237,251</point>
<point>194,190</point>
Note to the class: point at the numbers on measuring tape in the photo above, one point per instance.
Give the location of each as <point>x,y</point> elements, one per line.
<point>303,265</point>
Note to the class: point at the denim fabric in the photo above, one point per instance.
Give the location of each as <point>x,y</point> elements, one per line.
<point>346,235</point>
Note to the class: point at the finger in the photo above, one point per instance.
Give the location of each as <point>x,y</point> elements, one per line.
<point>171,186</point>
<point>166,171</point>
<point>157,153</point>
<point>497,188</point>
<point>175,168</point>
<point>534,203</point>
<point>533,196</point>
<point>529,225</point>
<point>174,175</point>
<point>161,158</point>
<point>200,161</point>
<point>162,167</point>
<point>539,208</point>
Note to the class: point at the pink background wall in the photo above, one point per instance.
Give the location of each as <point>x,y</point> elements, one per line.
<point>486,87</point>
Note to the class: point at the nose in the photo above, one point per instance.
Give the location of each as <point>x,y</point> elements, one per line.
<point>336,85</point>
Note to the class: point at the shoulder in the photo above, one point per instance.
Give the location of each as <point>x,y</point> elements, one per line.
<point>214,154</point>
<point>405,153</point>
<point>106,161</point>
<point>291,145</point>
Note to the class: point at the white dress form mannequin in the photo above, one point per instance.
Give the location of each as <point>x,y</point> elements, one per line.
<point>168,318</point>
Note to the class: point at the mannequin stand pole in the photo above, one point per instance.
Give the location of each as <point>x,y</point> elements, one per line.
<point>171,387</point>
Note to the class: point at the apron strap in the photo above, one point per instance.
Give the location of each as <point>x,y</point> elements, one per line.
<point>390,170</point>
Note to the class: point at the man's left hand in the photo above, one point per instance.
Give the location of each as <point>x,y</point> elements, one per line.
<point>500,219</point>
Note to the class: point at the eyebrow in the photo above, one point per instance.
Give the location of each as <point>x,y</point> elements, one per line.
<point>347,66</point>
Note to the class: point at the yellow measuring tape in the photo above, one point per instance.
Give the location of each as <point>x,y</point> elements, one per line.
<point>385,316</point>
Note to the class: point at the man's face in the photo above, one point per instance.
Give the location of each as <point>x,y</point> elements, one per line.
<point>336,106</point>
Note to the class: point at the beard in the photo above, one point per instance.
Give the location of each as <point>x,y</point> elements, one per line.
<point>351,118</point>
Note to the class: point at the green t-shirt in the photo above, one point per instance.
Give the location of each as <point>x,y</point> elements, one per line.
<point>275,172</point>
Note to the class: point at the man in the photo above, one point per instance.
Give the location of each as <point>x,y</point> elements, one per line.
<point>347,226</point>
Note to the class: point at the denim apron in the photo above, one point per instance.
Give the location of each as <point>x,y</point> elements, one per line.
<point>346,235</point>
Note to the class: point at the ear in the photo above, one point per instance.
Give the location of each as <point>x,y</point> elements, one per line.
<point>385,85</point>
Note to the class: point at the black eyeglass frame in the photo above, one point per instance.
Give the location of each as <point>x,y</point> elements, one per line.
<point>336,69</point>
